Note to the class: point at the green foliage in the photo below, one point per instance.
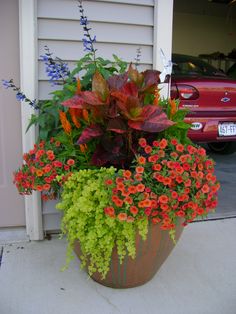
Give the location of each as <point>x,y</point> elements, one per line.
<point>180,128</point>
<point>48,116</point>
<point>83,200</point>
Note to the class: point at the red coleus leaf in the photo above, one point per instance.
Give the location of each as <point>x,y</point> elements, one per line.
<point>117,125</point>
<point>135,76</point>
<point>131,109</point>
<point>74,102</point>
<point>92,98</point>
<point>151,77</point>
<point>130,89</point>
<point>100,86</point>
<point>90,132</point>
<point>153,120</point>
<point>116,82</point>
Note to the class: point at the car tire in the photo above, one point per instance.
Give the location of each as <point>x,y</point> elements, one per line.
<point>223,148</point>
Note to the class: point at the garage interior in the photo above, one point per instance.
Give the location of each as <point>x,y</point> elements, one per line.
<point>207,29</point>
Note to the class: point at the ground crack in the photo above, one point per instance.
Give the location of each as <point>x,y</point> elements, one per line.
<point>107,300</point>
<point>1,255</point>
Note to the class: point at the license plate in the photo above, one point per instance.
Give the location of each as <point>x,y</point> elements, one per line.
<point>227,129</point>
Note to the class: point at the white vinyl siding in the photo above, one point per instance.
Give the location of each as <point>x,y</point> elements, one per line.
<point>120,28</point>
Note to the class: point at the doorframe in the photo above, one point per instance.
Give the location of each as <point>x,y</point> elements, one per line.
<point>28,79</point>
<point>163,19</point>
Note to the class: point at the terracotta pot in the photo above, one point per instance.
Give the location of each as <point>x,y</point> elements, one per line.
<point>150,255</point>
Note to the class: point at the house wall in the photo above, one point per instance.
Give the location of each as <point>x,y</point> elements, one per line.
<point>12,212</point>
<point>196,34</point>
<point>120,27</point>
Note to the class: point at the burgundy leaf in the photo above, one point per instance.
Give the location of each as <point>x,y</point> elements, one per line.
<point>135,76</point>
<point>130,89</point>
<point>90,132</point>
<point>91,98</point>
<point>117,125</point>
<point>155,120</point>
<point>108,151</point>
<point>151,77</point>
<point>74,102</point>
<point>100,86</point>
<point>116,82</point>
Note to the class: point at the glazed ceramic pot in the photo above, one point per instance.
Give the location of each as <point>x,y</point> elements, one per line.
<point>150,255</point>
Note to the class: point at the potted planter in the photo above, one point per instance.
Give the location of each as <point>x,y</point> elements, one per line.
<point>119,158</point>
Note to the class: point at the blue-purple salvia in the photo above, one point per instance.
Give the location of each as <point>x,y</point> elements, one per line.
<point>137,58</point>
<point>88,41</point>
<point>19,95</point>
<point>56,69</point>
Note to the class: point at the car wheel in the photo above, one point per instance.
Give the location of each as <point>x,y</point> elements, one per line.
<point>222,147</point>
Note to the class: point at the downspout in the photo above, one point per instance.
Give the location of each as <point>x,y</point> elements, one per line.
<point>28,79</point>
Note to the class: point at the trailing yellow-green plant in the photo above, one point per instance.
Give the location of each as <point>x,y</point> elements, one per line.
<point>84,197</point>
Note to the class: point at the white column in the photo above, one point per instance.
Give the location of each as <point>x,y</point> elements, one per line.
<point>28,78</point>
<point>163,23</point>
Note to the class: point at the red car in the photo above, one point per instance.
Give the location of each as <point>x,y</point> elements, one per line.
<point>211,98</point>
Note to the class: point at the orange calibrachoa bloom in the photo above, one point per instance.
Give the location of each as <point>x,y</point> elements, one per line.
<point>40,170</point>
<point>181,184</point>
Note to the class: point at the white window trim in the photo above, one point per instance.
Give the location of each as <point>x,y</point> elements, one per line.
<point>163,29</point>
<point>28,78</point>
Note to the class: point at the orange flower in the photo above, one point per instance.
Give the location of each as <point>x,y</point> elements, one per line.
<point>138,177</point>
<point>173,107</point>
<point>142,142</point>
<point>147,203</point>
<point>180,147</point>
<point>85,114</point>
<point>78,86</point>
<point>46,186</point>
<point>156,220</point>
<point>157,96</point>
<point>127,174</point>
<point>163,143</point>
<point>140,187</point>
<point>83,148</point>
<point>118,202</point>
<point>132,189</point>
<point>108,182</point>
<point>141,160</point>
<point>163,199</point>
<point>74,117</point>
<point>70,162</point>
<point>122,216</point>
<point>128,200</point>
<point>148,149</point>
<point>134,210</point>
<point>39,173</point>
<point>110,211</point>
<point>65,123</point>
<point>120,186</point>
<point>139,169</point>
<point>130,219</point>
<point>205,188</point>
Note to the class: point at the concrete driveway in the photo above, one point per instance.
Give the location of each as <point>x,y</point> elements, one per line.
<point>199,277</point>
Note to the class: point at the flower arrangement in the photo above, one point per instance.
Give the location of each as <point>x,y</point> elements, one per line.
<point>103,208</point>
<point>115,153</point>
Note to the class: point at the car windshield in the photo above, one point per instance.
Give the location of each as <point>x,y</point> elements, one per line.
<point>186,65</point>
